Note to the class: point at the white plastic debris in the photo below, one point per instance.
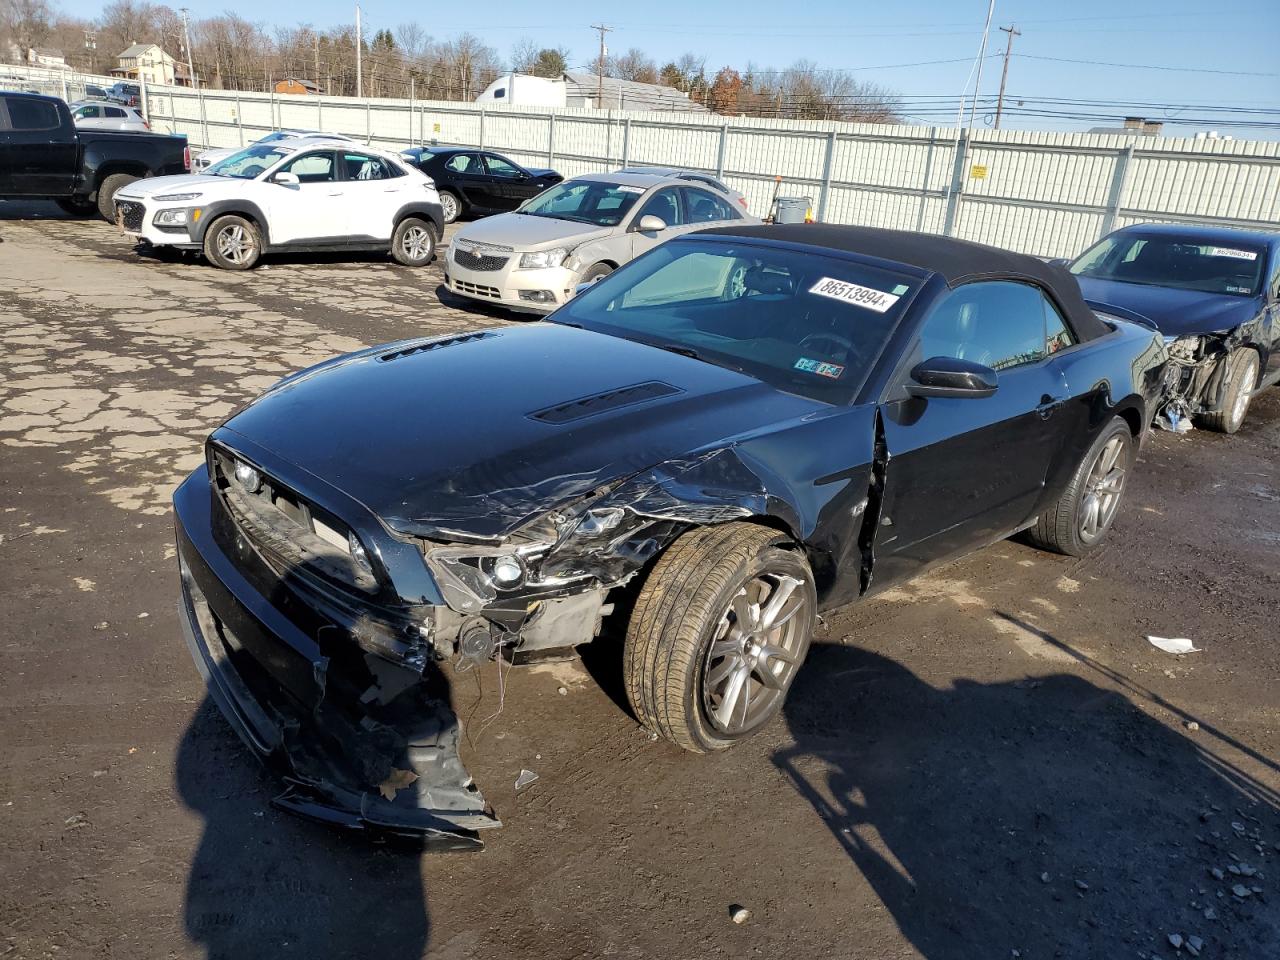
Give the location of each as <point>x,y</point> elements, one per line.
<point>739,914</point>
<point>1173,645</point>
<point>526,777</point>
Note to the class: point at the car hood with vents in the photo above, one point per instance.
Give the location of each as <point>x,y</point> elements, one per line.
<point>473,436</point>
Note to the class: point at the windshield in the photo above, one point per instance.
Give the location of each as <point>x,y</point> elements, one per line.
<point>801,322</point>
<point>1171,261</point>
<point>273,137</point>
<point>248,163</point>
<point>585,201</point>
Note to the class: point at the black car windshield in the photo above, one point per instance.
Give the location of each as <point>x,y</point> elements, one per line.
<point>802,322</point>
<point>585,201</point>
<point>1172,261</point>
<point>248,163</point>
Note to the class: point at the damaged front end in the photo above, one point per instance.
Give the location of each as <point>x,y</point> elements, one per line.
<point>325,634</point>
<point>1196,376</point>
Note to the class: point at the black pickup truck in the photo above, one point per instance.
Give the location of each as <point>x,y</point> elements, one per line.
<point>43,155</point>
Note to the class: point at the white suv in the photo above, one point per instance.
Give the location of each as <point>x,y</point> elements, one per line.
<point>289,196</point>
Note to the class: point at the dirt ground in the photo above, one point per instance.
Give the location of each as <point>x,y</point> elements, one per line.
<point>992,762</point>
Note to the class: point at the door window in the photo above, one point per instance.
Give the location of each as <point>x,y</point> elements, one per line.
<point>361,166</point>
<point>114,112</point>
<point>665,205</point>
<point>32,114</point>
<point>465,163</point>
<point>87,112</point>
<point>999,324</point>
<point>311,168</point>
<point>706,207</point>
<point>501,168</point>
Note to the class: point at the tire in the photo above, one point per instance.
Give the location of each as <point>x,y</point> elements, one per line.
<point>684,650</point>
<point>414,242</point>
<point>107,194</point>
<point>1070,526</point>
<point>78,206</point>
<point>450,206</point>
<point>596,272</point>
<point>233,243</point>
<point>1237,392</point>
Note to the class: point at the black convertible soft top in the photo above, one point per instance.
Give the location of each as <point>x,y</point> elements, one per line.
<point>956,261</point>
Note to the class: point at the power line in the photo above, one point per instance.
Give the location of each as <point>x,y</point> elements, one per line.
<point>1148,66</point>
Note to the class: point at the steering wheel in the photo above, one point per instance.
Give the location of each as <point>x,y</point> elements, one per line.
<point>829,339</point>
<point>252,171</point>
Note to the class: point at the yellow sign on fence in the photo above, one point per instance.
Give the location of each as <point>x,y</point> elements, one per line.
<point>978,171</point>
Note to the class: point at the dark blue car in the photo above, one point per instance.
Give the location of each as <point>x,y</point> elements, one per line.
<point>1214,293</point>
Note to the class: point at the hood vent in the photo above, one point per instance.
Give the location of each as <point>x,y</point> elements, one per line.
<point>435,345</point>
<point>600,402</point>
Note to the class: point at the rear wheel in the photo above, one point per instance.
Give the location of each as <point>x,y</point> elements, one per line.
<point>1084,513</point>
<point>414,242</point>
<point>450,206</point>
<point>107,193</point>
<point>718,634</point>
<point>1237,392</point>
<point>232,243</point>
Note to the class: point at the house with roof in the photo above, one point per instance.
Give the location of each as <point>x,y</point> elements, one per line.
<point>148,62</point>
<point>297,85</point>
<point>586,90</point>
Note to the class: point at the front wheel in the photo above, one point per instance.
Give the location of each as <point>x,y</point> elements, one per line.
<point>414,242</point>
<point>1237,392</point>
<point>718,634</point>
<point>1084,513</point>
<point>233,243</point>
<point>596,272</point>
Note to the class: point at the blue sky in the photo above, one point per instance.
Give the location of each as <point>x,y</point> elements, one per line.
<point>1191,37</point>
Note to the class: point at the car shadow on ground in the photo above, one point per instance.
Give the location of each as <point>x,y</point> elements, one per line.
<point>265,883</point>
<point>1035,818</point>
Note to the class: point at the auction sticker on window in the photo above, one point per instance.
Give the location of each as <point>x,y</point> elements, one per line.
<point>859,296</point>
<point>1236,254</point>
<point>832,370</point>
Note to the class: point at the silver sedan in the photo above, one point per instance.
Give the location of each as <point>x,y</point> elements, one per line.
<point>576,232</point>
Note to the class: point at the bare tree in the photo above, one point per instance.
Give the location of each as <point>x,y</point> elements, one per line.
<point>632,65</point>
<point>27,23</point>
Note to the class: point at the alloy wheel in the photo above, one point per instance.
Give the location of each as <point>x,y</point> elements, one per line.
<point>449,207</point>
<point>416,243</point>
<point>235,243</point>
<point>760,642</point>
<point>1102,490</point>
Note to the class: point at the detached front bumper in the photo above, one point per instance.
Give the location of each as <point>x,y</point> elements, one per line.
<point>527,291</point>
<point>359,742</point>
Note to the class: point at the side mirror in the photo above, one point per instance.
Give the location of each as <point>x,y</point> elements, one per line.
<point>651,224</point>
<point>286,179</point>
<point>951,377</point>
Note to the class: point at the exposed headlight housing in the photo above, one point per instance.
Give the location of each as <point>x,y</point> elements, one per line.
<point>543,259</point>
<point>248,477</point>
<point>359,556</point>
<point>177,197</point>
<point>508,571</point>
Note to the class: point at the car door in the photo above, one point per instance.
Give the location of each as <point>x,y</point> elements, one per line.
<point>515,185</point>
<point>665,204</point>
<point>468,173</point>
<point>38,152</point>
<point>312,210</point>
<point>374,192</point>
<point>962,472</point>
<point>1272,306</point>
<point>88,116</point>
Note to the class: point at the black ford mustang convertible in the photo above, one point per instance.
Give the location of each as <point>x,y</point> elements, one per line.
<point>741,428</point>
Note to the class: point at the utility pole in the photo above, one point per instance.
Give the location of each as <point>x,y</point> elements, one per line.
<point>186,41</point>
<point>359,66</point>
<point>600,65</point>
<point>315,46</point>
<point>1013,31</point>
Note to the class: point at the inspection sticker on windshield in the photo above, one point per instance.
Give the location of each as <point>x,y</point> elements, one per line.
<point>876,300</point>
<point>1237,254</point>
<point>622,188</point>
<point>832,370</point>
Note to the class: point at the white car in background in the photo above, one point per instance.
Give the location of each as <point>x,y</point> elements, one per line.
<point>294,195</point>
<point>576,232</point>
<point>100,115</point>
<point>207,158</point>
